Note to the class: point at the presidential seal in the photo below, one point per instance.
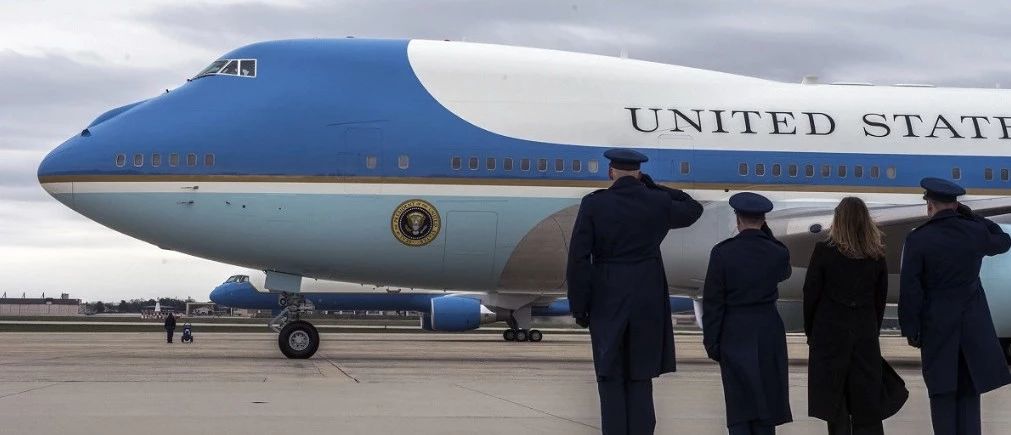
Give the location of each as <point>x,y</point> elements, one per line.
<point>415,223</point>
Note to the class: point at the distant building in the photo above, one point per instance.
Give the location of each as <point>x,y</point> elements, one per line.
<point>64,306</point>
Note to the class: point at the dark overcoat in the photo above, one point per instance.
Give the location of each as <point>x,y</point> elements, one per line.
<point>742,328</point>
<point>941,300</point>
<point>170,323</point>
<point>616,275</point>
<point>844,305</point>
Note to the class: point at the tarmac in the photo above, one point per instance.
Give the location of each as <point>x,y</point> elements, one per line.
<point>373,383</point>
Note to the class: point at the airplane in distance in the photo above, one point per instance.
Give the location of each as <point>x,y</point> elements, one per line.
<point>460,166</point>
<point>240,291</point>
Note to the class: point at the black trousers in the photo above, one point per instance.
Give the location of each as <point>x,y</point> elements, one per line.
<point>626,406</point>
<point>168,335</point>
<point>843,424</point>
<point>752,428</point>
<point>957,413</point>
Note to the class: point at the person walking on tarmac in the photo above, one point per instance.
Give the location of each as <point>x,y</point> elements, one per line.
<point>944,312</point>
<point>849,385</point>
<point>741,327</point>
<point>170,327</point>
<point>617,287</point>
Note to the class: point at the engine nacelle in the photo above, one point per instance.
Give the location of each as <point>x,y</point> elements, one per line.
<point>456,314</point>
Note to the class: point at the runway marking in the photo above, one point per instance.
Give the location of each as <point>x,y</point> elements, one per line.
<point>29,390</point>
<point>527,407</point>
<point>339,368</point>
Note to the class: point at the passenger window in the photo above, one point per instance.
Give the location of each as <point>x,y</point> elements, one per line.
<point>875,172</point>
<point>403,161</point>
<point>686,168</point>
<point>138,160</point>
<point>742,169</point>
<point>577,165</point>
<point>156,160</point>
<point>490,163</point>
<point>456,163</point>
<point>472,163</point>
<point>247,68</point>
<point>987,173</point>
<point>792,170</point>
<point>173,160</point>
<point>231,69</point>
<point>525,165</point>
<point>891,173</point>
<point>1003,174</point>
<point>826,171</point>
<point>858,171</point>
<point>842,171</point>
<point>809,171</point>
<point>120,160</point>
<point>507,164</point>
<point>593,166</point>
<point>191,159</point>
<point>559,165</point>
<point>371,162</point>
<point>760,169</point>
<point>956,173</point>
<point>542,165</point>
<point>208,160</point>
<point>777,170</point>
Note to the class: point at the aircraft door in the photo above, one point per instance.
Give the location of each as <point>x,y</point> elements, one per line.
<point>470,248</point>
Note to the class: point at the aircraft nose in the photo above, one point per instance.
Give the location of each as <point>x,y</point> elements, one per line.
<point>217,295</point>
<point>55,164</point>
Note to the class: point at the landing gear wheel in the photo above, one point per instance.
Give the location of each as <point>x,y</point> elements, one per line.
<point>535,335</point>
<point>298,340</point>
<point>509,335</point>
<point>521,335</point>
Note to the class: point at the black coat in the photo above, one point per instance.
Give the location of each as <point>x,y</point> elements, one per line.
<point>742,328</point>
<point>941,300</point>
<point>616,275</point>
<point>170,323</point>
<point>844,304</point>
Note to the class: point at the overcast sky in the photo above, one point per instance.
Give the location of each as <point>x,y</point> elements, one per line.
<point>62,63</point>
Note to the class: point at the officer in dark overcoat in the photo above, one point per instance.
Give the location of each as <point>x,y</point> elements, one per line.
<point>944,312</point>
<point>170,327</point>
<point>617,287</point>
<point>742,329</point>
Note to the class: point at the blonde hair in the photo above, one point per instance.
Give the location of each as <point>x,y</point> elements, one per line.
<point>853,231</point>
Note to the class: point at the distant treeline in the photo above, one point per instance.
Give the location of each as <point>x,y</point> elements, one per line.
<point>138,305</point>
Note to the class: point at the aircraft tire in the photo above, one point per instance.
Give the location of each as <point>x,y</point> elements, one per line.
<point>509,335</point>
<point>298,340</point>
<point>521,335</point>
<point>535,336</point>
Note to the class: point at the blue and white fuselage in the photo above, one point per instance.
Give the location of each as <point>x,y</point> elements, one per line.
<point>460,166</point>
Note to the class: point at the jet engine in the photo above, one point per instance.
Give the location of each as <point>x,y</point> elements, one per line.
<point>456,314</point>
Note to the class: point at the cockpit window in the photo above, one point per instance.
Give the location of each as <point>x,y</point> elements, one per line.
<point>237,278</point>
<point>230,67</point>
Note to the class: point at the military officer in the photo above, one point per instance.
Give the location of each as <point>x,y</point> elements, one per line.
<point>617,287</point>
<point>741,326</point>
<point>943,310</point>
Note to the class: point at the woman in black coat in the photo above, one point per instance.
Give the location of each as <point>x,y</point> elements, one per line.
<point>844,304</point>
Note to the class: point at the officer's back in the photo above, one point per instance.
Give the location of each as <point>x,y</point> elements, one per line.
<point>757,262</point>
<point>630,221</point>
<point>957,244</point>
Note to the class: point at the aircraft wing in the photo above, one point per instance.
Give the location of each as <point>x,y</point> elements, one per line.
<point>801,228</point>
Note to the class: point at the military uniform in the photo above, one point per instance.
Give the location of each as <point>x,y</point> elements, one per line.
<point>742,329</point>
<point>617,286</point>
<point>170,327</point>
<point>943,310</point>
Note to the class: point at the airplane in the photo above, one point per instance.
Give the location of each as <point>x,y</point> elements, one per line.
<point>460,166</point>
<point>239,291</point>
